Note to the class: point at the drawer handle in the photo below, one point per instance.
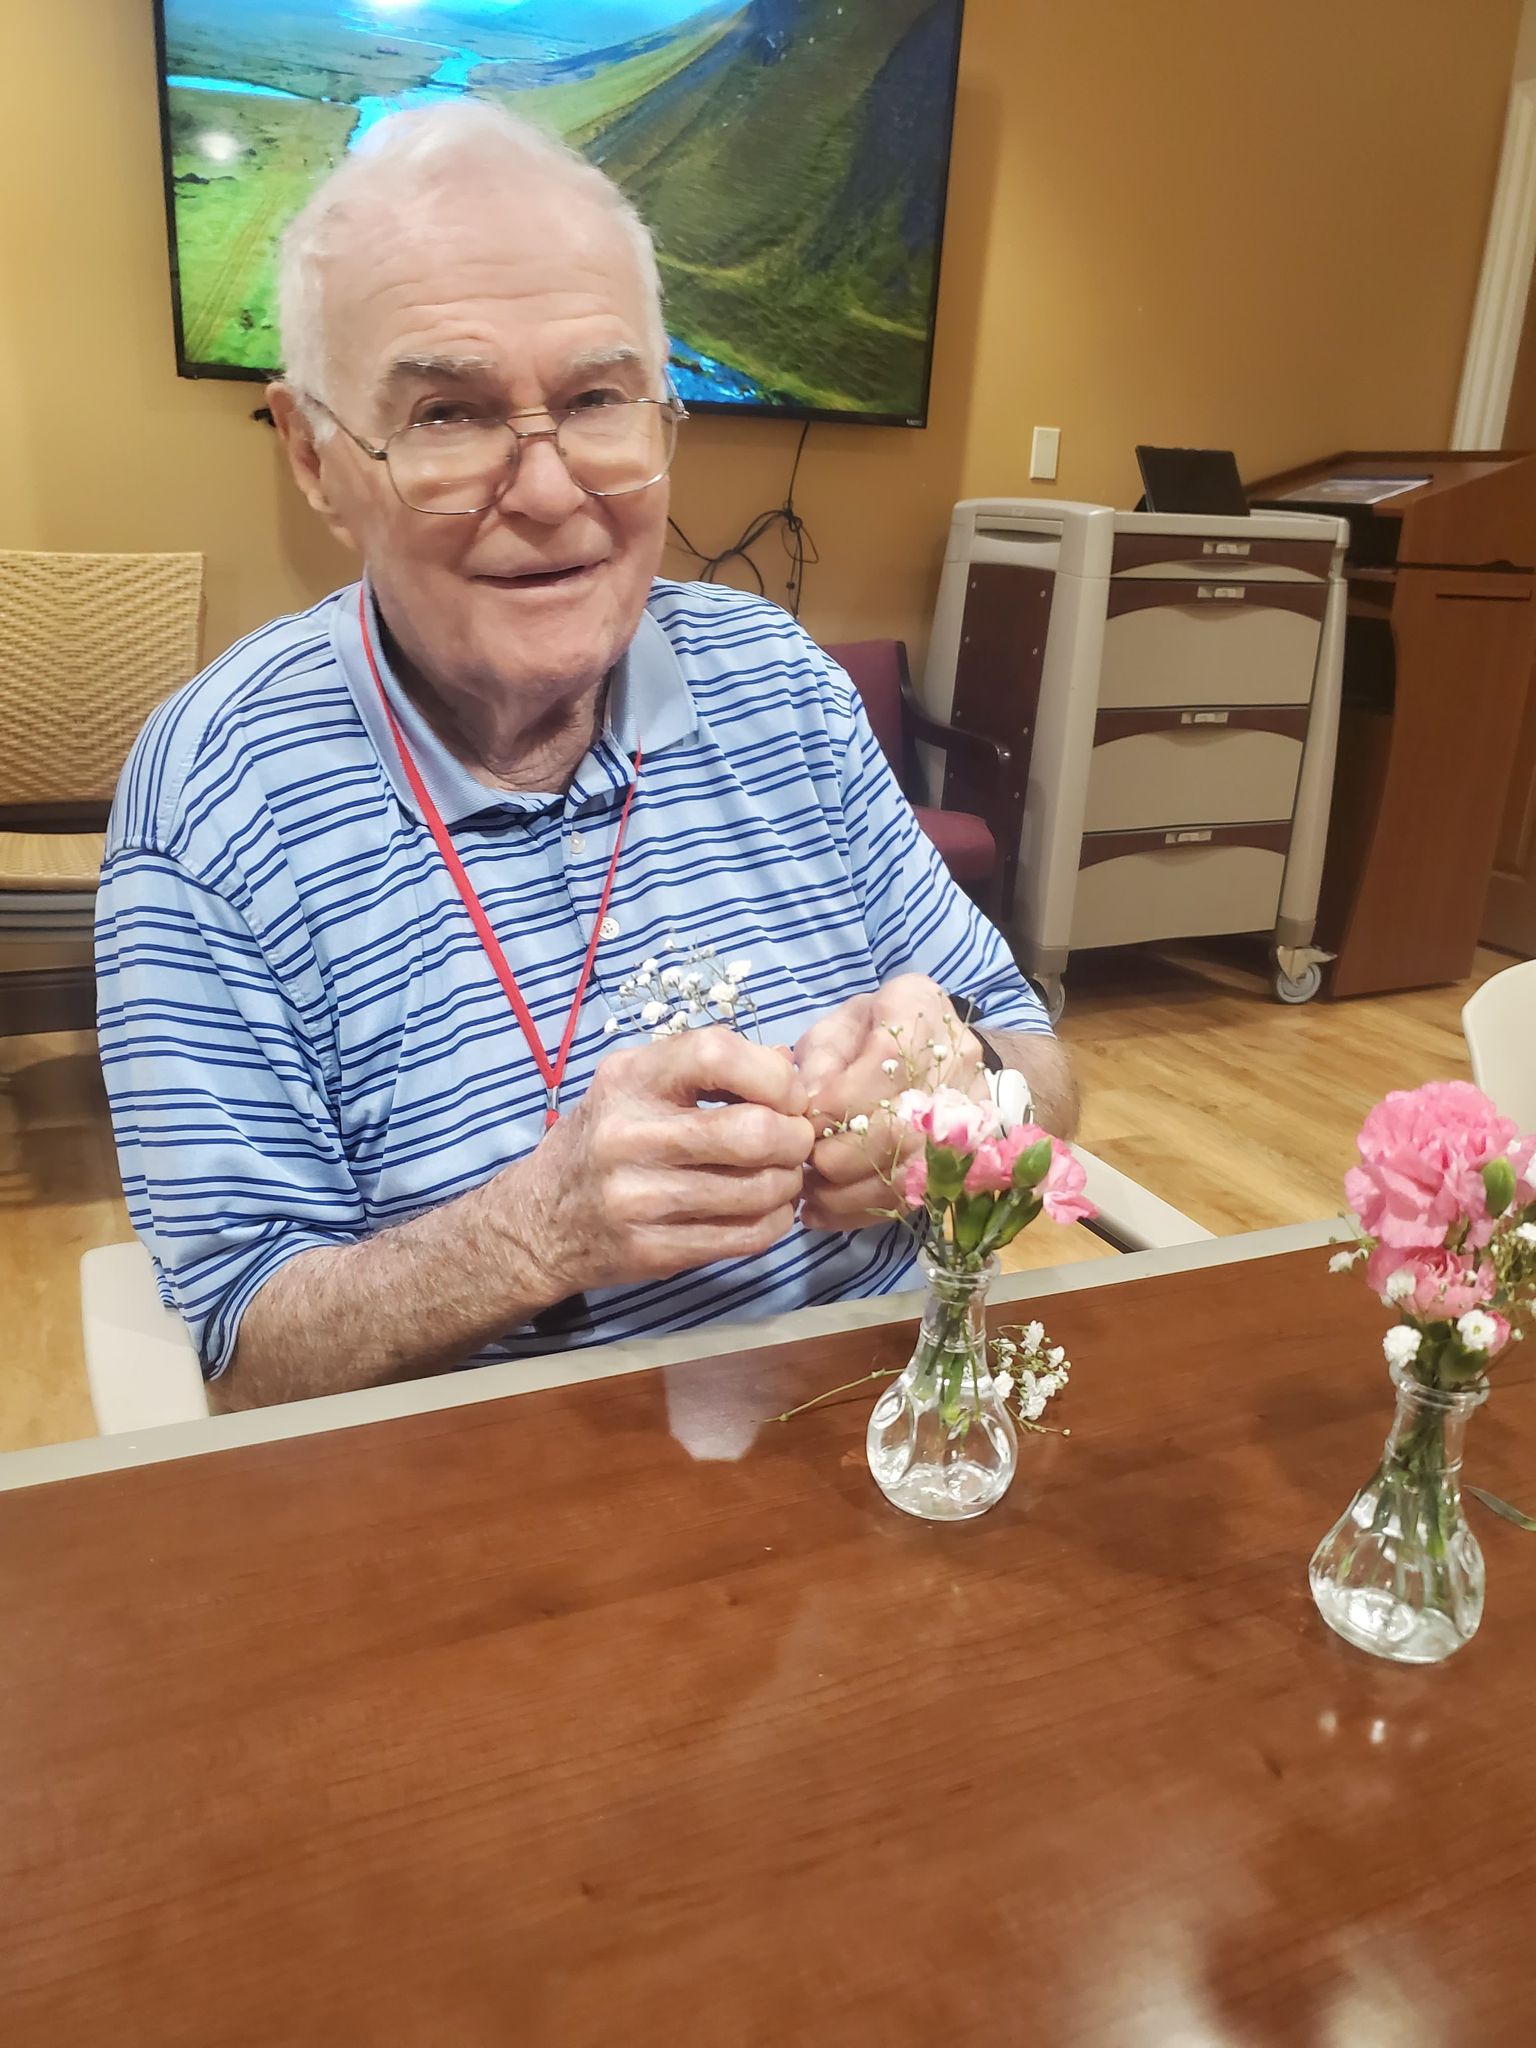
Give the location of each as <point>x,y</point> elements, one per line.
<point>1226,547</point>
<point>1186,838</point>
<point>1204,717</point>
<point>1220,593</point>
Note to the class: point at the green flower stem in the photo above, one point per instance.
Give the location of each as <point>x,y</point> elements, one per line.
<point>944,1360</point>
<point>881,1372</point>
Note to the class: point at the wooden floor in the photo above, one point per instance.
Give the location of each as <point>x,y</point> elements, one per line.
<point>1195,1082</point>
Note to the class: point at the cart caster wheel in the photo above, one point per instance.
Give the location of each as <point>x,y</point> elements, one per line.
<point>1300,988</point>
<point>1053,993</point>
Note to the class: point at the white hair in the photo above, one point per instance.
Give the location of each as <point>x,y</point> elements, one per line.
<point>402,161</point>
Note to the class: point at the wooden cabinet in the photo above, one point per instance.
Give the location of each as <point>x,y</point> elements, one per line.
<point>1438,657</point>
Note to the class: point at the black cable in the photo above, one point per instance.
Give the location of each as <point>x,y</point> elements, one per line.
<point>798,544</point>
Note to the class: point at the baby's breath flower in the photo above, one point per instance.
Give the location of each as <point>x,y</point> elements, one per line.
<point>1341,1262</point>
<point>1401,1345</point>
<point>652,1014</point>
<point>1526,1232</point>
<point>1399,1286</point>
<point>1476,1329</point>
<point>610,1025</point>
<point>1003,1383</point>
<point>858,1125</point>
<point>738,970</point>
<point>1034,1336</point>
<point>890,1066</point>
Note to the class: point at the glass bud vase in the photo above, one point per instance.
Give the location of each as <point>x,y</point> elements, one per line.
<point>1400,1573</point>
<point>941,1444</point>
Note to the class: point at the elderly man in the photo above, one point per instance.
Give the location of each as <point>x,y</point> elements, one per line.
<point>375,879</point>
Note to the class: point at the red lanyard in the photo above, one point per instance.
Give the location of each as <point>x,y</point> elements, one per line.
<point>553,1071</point>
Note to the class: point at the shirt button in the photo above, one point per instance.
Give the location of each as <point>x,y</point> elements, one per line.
<point>578,841</point>
<point>609,928</point>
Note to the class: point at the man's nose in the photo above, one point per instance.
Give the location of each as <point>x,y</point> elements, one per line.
<point>541,488</point>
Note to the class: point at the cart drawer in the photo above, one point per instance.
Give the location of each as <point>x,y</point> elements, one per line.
<point>1202,554</point>
<point>1135,886</point>
<point>1191,642</point>
<point>1193,766</point>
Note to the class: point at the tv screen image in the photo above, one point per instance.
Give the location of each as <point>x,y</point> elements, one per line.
<point>790,155</point>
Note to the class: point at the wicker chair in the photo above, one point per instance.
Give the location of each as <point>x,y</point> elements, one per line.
<point>89,644</point>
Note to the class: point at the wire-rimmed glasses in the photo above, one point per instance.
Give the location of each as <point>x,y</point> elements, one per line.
<point>458,466</point>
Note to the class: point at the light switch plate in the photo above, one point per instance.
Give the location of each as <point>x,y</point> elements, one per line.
<point>1043,451</point>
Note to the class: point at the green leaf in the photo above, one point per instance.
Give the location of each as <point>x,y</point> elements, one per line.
<point>946,1172</point>
<point>1499,1183</point>
<point>1502,1507</point>
<point>1032,1166</point>
<point>1012,1215</point>
<point>972,1215</point>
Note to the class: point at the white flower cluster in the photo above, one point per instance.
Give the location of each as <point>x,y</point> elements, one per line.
<point>1478,1330</point>
<point>695,990</point>
<point>1031,1372</point>
<point>1401,1345</point>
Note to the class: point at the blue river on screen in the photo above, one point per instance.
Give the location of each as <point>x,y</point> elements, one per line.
<point>695,376</point>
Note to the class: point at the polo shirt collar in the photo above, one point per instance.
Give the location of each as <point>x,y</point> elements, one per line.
<point>649,706</point>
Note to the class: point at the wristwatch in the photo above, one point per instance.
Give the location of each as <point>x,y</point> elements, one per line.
<point>991,1059</point>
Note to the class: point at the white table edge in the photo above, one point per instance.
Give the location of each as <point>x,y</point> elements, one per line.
<point>50,1462</point>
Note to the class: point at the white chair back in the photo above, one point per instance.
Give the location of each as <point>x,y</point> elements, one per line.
<point>1499,1024</point>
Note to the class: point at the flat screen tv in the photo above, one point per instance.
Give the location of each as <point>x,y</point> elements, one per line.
<point>790,155</point>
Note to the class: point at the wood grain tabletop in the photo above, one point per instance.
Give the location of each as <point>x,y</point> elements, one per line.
<point>623,1713</point>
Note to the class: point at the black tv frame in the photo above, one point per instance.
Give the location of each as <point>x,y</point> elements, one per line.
<point>721,407</point>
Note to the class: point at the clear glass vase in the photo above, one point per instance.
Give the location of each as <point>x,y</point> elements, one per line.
<point>941,1444</point>
<point>1400,1573</point>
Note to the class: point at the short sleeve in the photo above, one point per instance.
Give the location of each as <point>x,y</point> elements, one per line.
<point>917,917</point>
<point>231,1158</point>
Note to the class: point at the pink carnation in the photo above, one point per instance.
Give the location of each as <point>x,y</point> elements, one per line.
<point>954,1120</point>
<point>1500,1333</point>
<point>1061,1191</point>
<point>1444,1286</point>
<point>991,1171</point>
<point>914,1181</point>
<point>1422,1153</point>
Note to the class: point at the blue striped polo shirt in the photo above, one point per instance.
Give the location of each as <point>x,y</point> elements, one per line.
<point>302,1037</point>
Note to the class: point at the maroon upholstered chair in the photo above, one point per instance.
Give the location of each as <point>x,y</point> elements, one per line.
<point>978,847</point>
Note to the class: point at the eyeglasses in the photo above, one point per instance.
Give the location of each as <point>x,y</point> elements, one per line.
<point>454,467</point>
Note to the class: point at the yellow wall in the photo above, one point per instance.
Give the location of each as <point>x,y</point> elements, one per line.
<point>1170,220</point>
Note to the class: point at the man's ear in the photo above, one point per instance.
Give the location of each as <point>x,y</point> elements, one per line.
<point>297,432</point>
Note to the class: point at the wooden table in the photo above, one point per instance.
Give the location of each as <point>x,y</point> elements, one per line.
<point>618,1713</point>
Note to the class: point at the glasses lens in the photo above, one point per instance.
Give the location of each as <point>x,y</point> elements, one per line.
<point>464,465</point>
<point>452,465</point>
<point>610,449</point>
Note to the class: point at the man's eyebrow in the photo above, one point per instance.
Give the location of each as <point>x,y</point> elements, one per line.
<point>620,357</point>
<point>442,369</point>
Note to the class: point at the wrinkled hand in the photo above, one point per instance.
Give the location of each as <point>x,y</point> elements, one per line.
<point>842,1060</point>
<point>640,1182</point>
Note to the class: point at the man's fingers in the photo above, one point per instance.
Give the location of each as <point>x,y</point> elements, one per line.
<point>716,1061</point>
<point>841,1161</point>
<point>668,1195</point>
<point>742,1135</point>
<point>834,1041</point>
<point>663,1249</point>
<point>854,1207</point>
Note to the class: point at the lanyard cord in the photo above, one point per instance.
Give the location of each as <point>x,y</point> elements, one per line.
<point>552,1071</point>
